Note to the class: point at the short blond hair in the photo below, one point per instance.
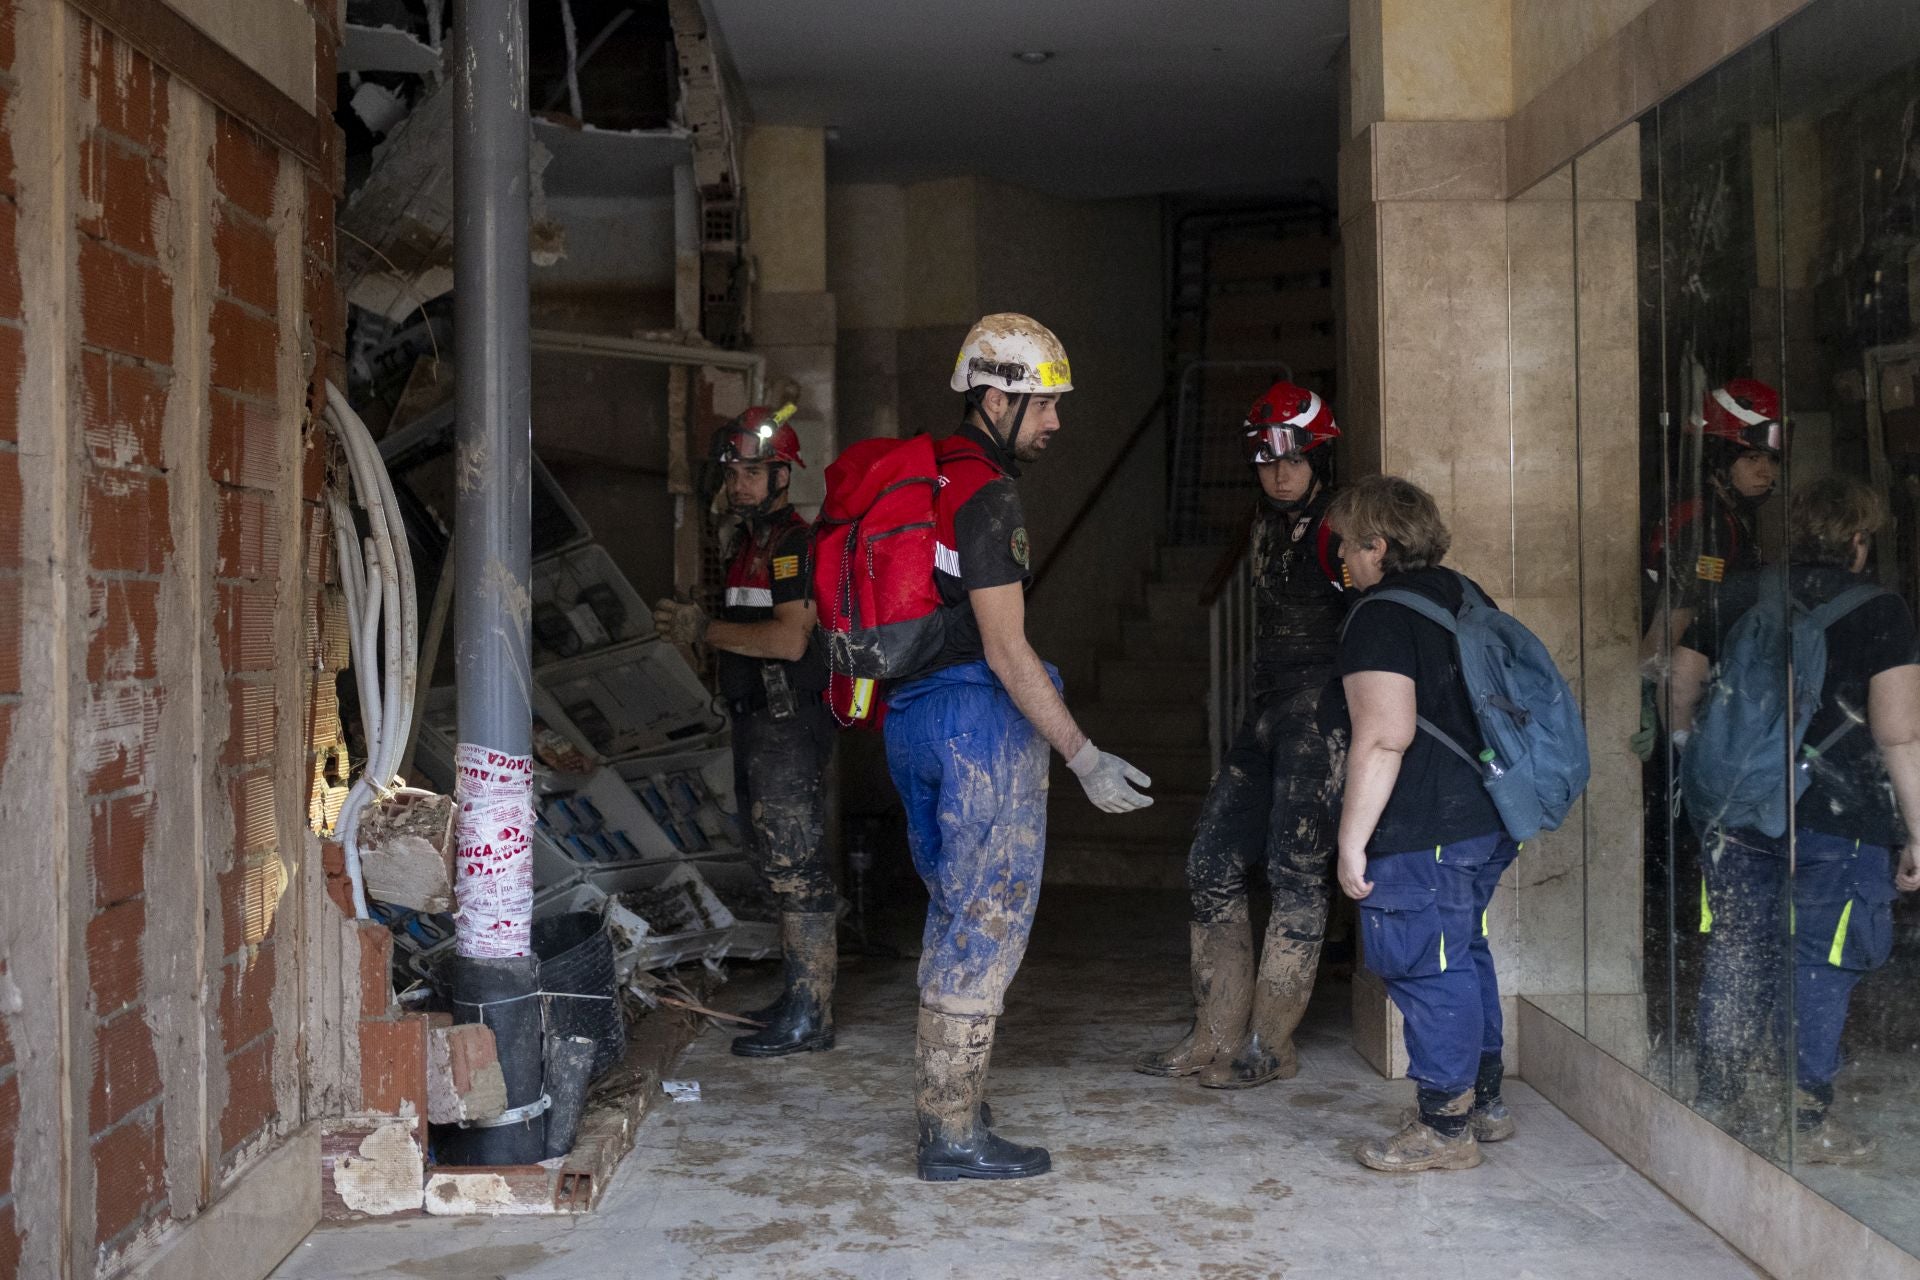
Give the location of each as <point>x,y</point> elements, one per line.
<point>1398,511</point>
<point>1824,516</point>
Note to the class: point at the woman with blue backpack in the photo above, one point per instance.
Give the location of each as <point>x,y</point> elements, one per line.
<point>1466,741</point>
<point>1850,800</point>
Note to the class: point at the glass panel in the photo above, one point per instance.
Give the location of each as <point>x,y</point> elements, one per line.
<point>1849,232</point>
<point>1688,962</point>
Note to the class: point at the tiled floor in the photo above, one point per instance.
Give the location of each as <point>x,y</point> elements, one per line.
<point>803,1167</point>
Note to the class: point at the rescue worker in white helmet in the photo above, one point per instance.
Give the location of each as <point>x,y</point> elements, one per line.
<point>771,675</point>
<point>967,745</point>
<point>1272,800</point>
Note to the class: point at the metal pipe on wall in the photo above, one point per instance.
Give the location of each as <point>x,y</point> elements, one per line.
<point>495,976</point>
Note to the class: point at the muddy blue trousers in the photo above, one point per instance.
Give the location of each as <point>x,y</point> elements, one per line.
<point>1424,929</point>
<point>1839,913</point>
<point>972,773</point>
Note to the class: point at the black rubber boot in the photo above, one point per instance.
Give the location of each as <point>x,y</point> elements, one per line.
<point>801,1021</point>
<point>955,1141</point>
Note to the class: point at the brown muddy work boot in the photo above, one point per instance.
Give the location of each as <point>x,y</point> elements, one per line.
<point>802,1020</point>
<point>950,1077</point>
<point>1222,998</point>
<point>1280,995</point>
<point>1490,1120</point>
<point>1419,1146</point>
<point>1820,1139</point>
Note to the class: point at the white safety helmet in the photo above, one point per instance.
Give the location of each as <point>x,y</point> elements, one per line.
<point>1012,353</point>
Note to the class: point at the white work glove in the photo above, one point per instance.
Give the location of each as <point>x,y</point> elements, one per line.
<point>1105,778</point>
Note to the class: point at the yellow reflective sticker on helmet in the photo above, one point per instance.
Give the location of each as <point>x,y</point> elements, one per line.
<point>1055,373</point>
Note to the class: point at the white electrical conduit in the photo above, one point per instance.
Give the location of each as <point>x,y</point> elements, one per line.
<point>383,624</point>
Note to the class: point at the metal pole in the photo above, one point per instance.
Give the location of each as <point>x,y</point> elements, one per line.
<point>496,977</point>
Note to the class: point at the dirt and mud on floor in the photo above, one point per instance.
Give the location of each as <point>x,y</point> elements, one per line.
<point>803,1166</point>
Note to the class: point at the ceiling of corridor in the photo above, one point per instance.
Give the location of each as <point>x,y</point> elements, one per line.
<point>1140,96</point>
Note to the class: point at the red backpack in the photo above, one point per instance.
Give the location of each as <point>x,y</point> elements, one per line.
<point>873,560</point>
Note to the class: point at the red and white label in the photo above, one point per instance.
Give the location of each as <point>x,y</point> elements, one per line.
<point>493,853</point>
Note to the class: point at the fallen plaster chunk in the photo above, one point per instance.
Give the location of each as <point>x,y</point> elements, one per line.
<point>504,1190</point>
<point>376,1167</point>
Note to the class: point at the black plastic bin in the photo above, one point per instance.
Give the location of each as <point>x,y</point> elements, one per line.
<point>576,959</point>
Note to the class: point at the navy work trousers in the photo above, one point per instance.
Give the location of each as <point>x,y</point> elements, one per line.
<point>1424,929</point>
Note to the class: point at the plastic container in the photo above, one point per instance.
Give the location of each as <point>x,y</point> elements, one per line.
<point>577,977</point>
<point>635,697</point>
<point>582,604</point>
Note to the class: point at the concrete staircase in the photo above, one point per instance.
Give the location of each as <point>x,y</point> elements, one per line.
<point>1151,709</point>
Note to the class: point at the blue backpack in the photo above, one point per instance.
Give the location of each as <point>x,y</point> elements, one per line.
<point>1534,762</point>
<point>1730,770</point>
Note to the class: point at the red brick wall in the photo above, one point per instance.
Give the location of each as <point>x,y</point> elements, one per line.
<point>177,455</point>
<point>125,302</point>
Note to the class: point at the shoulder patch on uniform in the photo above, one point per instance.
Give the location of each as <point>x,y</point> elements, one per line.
<point>785,567</point>
<point>1020,549</point>
<point>1710,569</point>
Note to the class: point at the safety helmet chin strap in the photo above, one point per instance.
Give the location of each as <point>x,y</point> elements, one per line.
<point>1021,400</point>
<point>769,504</point>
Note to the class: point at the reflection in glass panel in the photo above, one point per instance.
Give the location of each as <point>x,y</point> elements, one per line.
<point>1714,785</point>
<point>1849,229</point>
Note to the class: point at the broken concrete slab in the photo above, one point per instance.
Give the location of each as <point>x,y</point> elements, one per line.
<point>406,851</point>
<point>365,48</point>
<point>464,1080</point>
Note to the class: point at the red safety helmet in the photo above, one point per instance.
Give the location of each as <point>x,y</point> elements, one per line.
<point>1287,420</point>
<point>758,435</point>
<point>1744,413</point>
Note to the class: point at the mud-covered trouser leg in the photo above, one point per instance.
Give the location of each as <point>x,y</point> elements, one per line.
<point>1843,894</point>
<point>972,773</point>
<point>1232,828</point>
<point>1743,910</point>
<point>778,771</point>
<point>1418,927</point>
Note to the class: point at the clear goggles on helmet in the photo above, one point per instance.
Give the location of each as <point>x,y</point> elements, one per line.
<point>744,444</point>
<point>1761,435</point>
<point>1270,444</point>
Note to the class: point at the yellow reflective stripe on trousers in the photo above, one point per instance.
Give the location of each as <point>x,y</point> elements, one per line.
<point>1706,912</point>
<point>1443,951</point>
<point>1484,931</point>
<point>1839,935</point>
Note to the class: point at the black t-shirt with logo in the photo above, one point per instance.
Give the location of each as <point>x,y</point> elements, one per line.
<point>1438,798</point>
<point>771,565</point>
<point>992,550</point>
<point>1848,794</point>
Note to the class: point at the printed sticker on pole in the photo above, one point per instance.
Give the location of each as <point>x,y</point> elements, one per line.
<point>493,852</point>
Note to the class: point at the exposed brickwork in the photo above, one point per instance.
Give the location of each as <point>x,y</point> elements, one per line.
<point>376,970</point>
<point>129,1169</point>
<point>393,1064</point>
<point>126,1073</point>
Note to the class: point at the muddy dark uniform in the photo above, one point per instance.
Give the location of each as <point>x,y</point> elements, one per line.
<point>782,728</point>
<point>971,769</point>
<point>1838,916</point>
<point>1710,538</point>
<point>1273,797</point>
